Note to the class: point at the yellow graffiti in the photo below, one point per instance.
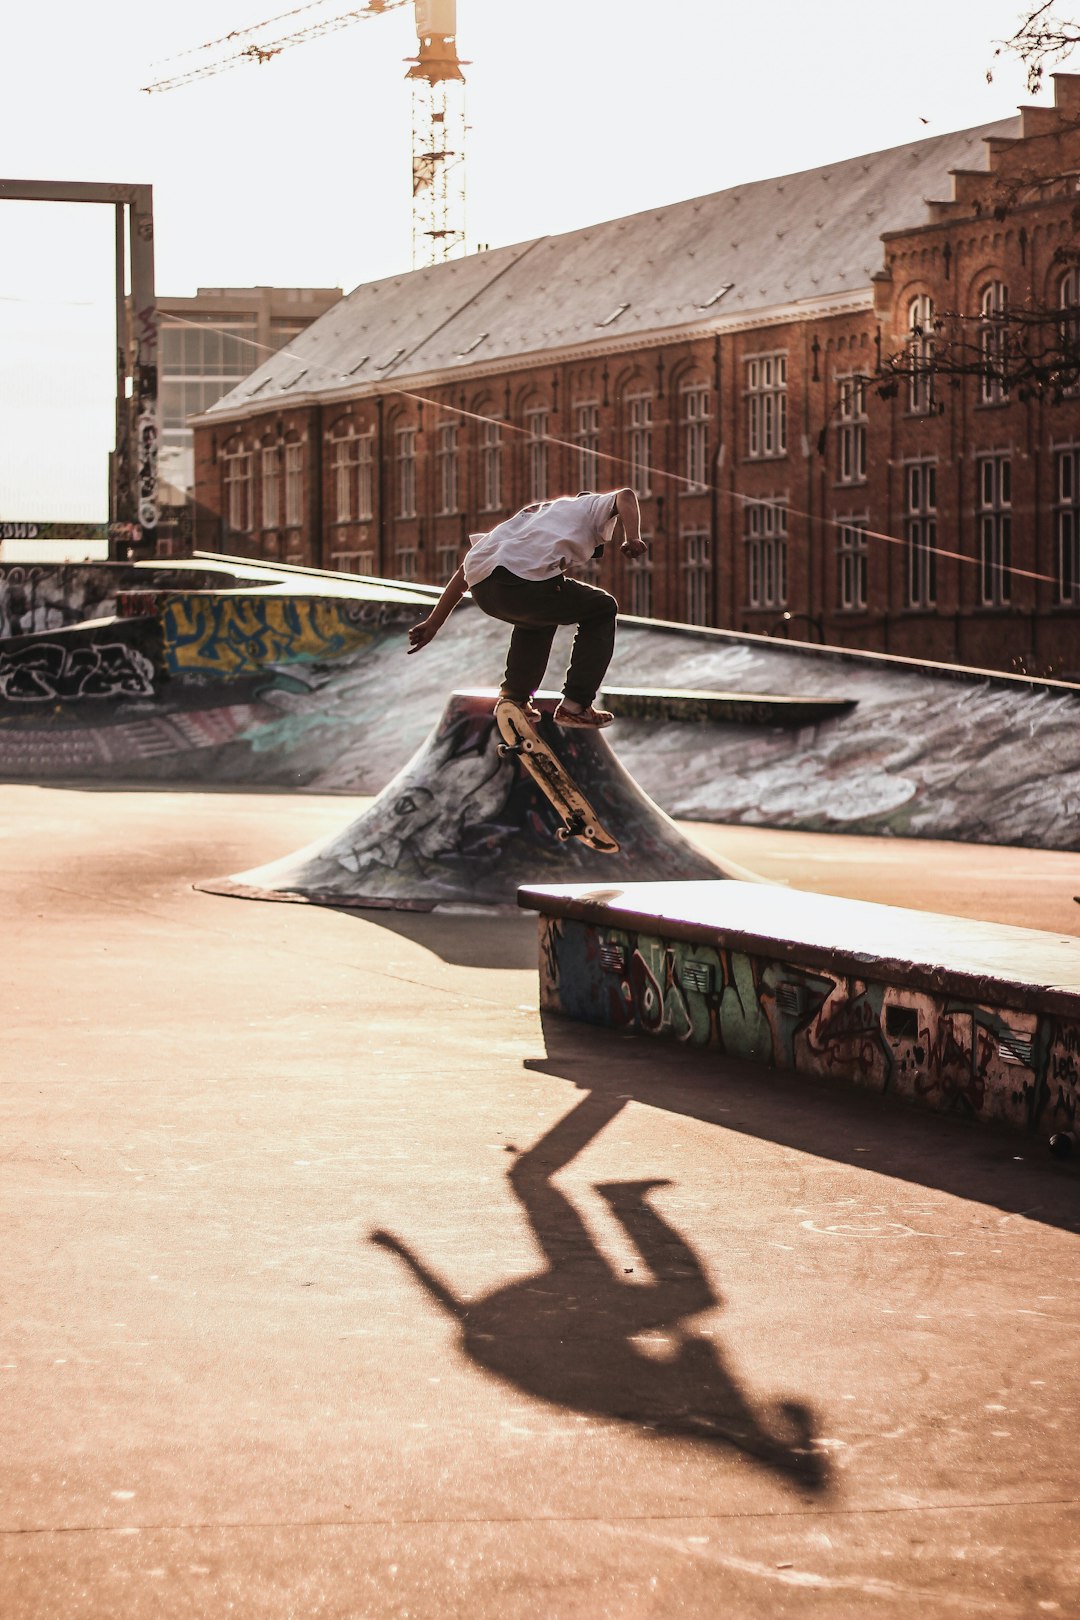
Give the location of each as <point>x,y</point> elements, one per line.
<point>238,635</point>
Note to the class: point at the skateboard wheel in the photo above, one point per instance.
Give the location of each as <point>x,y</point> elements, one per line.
<point>502,750</point>
<point>527,745</point>
<point>562,834</point>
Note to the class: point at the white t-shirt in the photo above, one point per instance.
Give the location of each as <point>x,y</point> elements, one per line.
<point>543,540</point>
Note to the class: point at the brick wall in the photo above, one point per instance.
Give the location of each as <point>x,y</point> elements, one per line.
<point>811,491</point>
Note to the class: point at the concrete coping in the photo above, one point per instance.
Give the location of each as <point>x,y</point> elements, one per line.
<point>1020,968</point>
<point>727,708</point>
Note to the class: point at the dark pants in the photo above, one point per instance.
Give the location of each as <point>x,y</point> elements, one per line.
<point>536,608</point>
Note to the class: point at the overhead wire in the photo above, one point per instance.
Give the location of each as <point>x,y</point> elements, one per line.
<point>262,52</point>
<point>737,498</point>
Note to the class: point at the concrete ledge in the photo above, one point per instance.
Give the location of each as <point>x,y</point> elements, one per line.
<point>723,708</point>
<point>957,1015</point>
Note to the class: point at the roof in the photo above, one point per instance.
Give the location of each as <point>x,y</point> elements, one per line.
<point>732,258</point>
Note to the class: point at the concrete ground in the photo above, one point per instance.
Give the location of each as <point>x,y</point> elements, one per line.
<point>297,1322</point>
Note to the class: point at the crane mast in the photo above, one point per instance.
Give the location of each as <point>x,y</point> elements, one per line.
<point>438,103</point>
<point>438,136</point>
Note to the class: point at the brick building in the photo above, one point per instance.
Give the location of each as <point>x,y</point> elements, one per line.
<point>724,356</point>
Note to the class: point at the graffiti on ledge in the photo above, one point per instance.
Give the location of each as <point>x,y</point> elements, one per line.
<point>951,1055</point>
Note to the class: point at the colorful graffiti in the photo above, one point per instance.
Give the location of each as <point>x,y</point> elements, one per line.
<point>239,635</point>
<point>461,824</point>
<point>48,670</point>
<point>1022,1068</point>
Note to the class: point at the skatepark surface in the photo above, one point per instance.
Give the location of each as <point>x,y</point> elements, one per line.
<point>339,1282</point>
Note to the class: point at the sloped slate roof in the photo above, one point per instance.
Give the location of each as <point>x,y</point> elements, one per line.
<point>706,263</point>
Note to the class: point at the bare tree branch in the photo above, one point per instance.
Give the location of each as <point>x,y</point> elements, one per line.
<point>1041,41</point>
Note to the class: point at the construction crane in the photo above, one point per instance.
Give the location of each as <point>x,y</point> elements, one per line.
<point>438,102</point>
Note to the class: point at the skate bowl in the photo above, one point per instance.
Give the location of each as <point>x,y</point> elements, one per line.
<point>460,825</point>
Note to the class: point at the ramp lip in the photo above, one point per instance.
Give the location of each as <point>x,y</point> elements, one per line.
<point>927,940</point>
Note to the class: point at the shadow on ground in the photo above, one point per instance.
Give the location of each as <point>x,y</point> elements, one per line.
<point>986,1163</point>
<point>506,939</point>
<point>569,1334</point>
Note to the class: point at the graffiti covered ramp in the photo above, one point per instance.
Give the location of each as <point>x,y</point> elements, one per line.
<point>460,825</point>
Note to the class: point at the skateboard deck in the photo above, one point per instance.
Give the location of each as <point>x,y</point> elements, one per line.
<point>523,742</point>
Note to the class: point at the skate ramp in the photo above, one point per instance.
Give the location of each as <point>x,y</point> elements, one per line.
<point>285,678</point>
<point>460,825</point>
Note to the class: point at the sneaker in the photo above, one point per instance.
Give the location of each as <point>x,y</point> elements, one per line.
<point>589,719</point>
<point>528,708</point>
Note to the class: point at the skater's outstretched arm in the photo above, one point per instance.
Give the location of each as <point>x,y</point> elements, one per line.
<point>453,591</point>
<point>629,515</point>
<point>434,1285</point>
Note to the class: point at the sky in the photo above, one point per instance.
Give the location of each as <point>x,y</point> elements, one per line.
<point>297,172</point>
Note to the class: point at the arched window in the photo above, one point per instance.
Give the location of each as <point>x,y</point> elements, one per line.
<point>921,348</point>
<point>1069,302</point>
<point>270,467</point>
<point>236,479</point>
<point>587,440</point>
<point>696,411</point>
<point>491,462</point>
<point>639,419</point>
<point>351,467</point>
<point>993,303</point>
<point>536,447</point>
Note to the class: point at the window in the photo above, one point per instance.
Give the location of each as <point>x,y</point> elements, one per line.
<point>271,486</point>
<point>766,406</point>
<point>1068,526</point>
<point>851,557</point>
<point>641,591</point>
<point>851,457</point>
<point>238,515</point>
<point>221,347</point>
<point>696,428</point>
<point>697,572</point>
<point>536,426</point>
<point>921,349</point>
<point>639,426</point>
<point>282,333</point>
<point>294,485</point>
<point>405,559</point>
<point>920,532</point>
<point>992,307</point>
<point>766,546</point>
<point>587,439</point>
<point>1069,298</point>
<point>446,456</point>
<point>491,467</point>
<point>343,472</point>
<point>446,562</point>
<point>994,475</point>
<point>365,478</point>
<point>406,467</point>
<point>353,562</point>
<point>587,571</point>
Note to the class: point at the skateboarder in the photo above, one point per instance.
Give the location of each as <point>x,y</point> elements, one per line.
<point>518,573</point>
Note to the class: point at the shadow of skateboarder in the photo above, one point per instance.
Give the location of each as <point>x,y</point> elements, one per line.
<point>567,1334</point>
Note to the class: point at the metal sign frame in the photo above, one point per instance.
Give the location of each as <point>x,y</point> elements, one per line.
<point>133,484</point>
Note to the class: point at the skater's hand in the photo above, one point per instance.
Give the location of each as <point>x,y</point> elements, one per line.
<point>420,634</point>
<point>634,548</point>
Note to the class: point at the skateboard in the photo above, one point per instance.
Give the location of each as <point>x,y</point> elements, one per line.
<point>522,742</point>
